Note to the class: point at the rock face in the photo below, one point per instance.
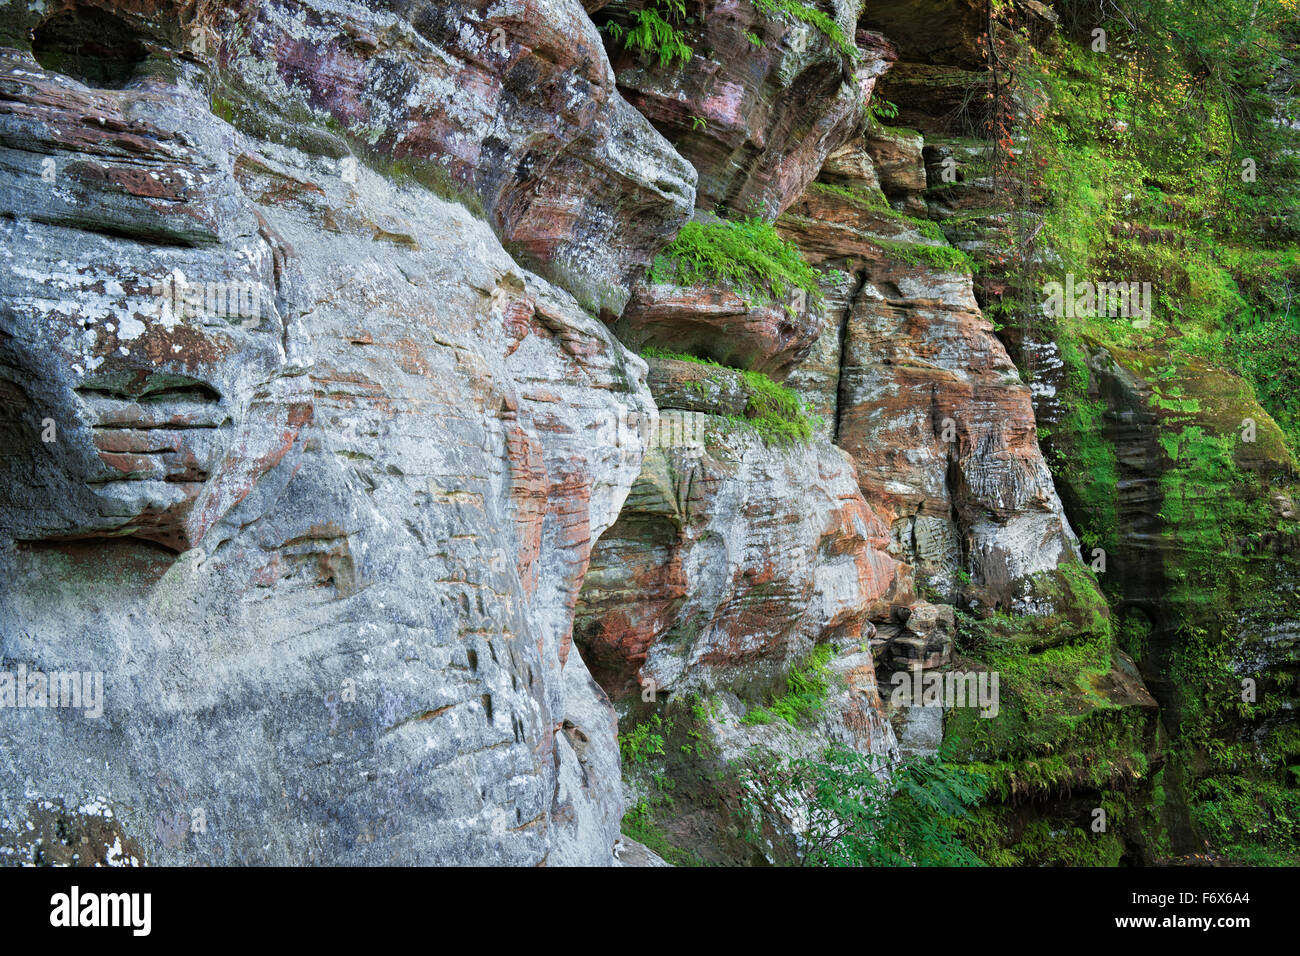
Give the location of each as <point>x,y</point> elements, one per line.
<point>1185,519</point>
<point>897,166</point>
<point>169,366</point>
<point>728,562</point>
<point>929,404</point>
<point>1164,510</point>
<point>340,522</point>
<point>709,799</point>
<point>323,548</point>
<point>512,107</point>
<point>761,102</point>
<point>718,323</point>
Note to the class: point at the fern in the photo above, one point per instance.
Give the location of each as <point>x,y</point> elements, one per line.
<point>863,810</point>
<point>655,34</point>
<point>814,18</point>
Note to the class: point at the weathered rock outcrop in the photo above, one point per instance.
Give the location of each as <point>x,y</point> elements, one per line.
<point>729,561</point>
<point>323,546</point>
<point>512,108</point>
<point>340,522</point>
<point>718,323</point>
<point>713,746</point>
<point>760,103</point>
<point>1167,504</point>
<point>929,404</point>
<point>1178,480</point>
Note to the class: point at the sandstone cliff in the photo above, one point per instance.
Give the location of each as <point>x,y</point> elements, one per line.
<point>386,429</point>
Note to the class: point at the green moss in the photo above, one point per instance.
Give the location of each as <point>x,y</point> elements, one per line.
<point>1161,201</point>
<point>1051,841</point>
<point>773,411</point>
<point>747,256</point>
<point>947,258</point>
<point>639,824</point>
<point>806,13</point>
<point>872,199</point>
<point>1080,450</point>
<point>1066,723</point>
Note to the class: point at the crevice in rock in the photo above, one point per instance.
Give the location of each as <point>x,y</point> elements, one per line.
<point>91,46</point>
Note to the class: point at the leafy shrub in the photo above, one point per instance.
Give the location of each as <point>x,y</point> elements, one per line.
<point>865,810</point>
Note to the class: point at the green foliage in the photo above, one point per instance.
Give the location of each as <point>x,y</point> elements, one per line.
<point>872,199</point>
<point>776,412</point>
<point>1142,179</point>
<point>863,810</point>
<point>815,18</point>
<point>222,108</point>
<point>882,109</point>
<point>645,741</point>
<point>772,410</point>
<point>639,823</point>
<point>947,258</point>
<point>806,687</point>
<point>976,636</point>
<point>748,256</point>
<point>1266,343</point>
<point>1057,840</point>
<point>654,32</point>
<point>681,777</point>
<point>1134,635</point>
<point>1243,814</point>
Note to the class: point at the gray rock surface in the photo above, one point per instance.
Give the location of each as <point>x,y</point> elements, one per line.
<point>325,556</point>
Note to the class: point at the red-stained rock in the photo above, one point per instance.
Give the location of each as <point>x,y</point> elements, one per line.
<point>696,387</point>
<point>175,377</point>
<point>930,406</point>
<point>756,119</point>
<point>849,231</point>
<point>384,483</point>
<point>513,109</point>
<point>729,562</point>
<point>716,323</point>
